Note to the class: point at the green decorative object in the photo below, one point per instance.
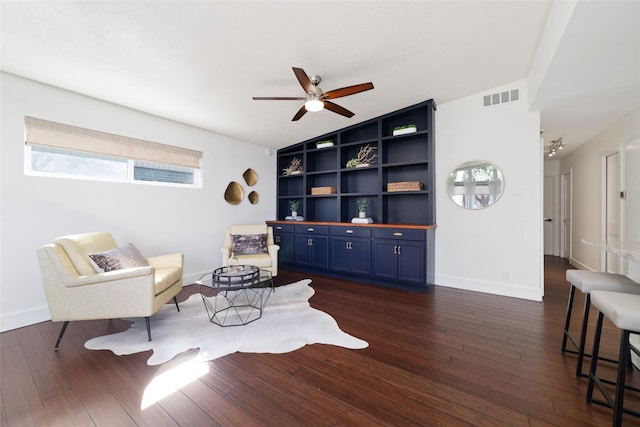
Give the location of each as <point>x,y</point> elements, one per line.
<point>294,205</point>
<point>324,144</point>
<point>362,204</point>
<point>401,130</point>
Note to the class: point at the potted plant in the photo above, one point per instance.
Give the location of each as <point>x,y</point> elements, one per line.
<point>401,130</point>
<point>362,204</point>
<point>294,205</point>
<point>365,157</point>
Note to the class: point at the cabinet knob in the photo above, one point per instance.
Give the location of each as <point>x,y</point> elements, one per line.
<point>398,250</point>
<point>349,231</point>
<point>397,234</point>
<point>310,229</point>
<point>278,228</point>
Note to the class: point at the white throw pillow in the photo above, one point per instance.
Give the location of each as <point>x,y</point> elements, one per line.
<point>116,259</point>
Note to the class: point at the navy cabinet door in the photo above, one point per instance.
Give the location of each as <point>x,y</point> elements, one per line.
<point>385,260</point>
<point>360,257</point>
<point>285,241</point>
<point>339,254</point>
<point>411,262</point>
<point>319,251</point>
<point>302,250</point>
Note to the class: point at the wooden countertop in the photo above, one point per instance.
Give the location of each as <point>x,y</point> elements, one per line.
<point>351,224</point>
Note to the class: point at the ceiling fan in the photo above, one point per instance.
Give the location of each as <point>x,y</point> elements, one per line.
<point>316,99</point>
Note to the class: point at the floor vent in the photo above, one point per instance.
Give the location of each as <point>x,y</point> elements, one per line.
<point>501,97</point>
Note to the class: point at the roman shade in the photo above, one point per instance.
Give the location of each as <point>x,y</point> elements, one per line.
<point>45,133</point>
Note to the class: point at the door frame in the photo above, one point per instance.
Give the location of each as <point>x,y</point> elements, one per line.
<point>619,150</point>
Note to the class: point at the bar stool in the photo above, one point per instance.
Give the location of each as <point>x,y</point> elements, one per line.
<point>587,281</point>
<point>623,310</point>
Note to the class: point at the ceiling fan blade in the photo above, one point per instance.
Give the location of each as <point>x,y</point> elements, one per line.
<point>304,80</point>
<point>301,112</point>
<point>337,109</point>
<point>278,98</point>
<point>346,91</point>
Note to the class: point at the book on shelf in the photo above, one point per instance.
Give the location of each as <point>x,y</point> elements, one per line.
<point>294,218</point>
<point>362,220</point>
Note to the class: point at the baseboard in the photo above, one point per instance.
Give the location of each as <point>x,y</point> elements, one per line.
<point>496,288</point>
<point>579,265</point>
<point>21,319</point>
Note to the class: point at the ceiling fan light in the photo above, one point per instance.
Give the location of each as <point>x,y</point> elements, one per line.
<point>314,104</point>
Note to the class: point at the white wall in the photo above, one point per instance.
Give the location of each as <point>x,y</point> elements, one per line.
<point>586,165</point>
<point>474,249</point>
<point>157,219</point>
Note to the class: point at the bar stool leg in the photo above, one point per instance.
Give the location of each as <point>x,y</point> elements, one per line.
<point>567,321</point>
<point>594,357</point>
<point>622,375</point>
<point>583,335</point>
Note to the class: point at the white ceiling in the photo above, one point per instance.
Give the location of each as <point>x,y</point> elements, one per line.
<point>201,62</point>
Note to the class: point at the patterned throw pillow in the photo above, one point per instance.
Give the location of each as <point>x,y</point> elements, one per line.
<point>249,244</point>
<point>125,257</point>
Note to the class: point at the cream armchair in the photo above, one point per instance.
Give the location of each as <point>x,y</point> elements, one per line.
<point>252,244</point>
<point>75,291</point>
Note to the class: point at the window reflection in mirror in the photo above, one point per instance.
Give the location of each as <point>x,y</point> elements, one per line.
<point>475,185</point>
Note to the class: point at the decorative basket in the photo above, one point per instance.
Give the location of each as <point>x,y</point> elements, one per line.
<point>405,186</point>
<point>322,190</point>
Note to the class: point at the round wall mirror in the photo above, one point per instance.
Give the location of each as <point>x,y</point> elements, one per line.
<point>475,185</point>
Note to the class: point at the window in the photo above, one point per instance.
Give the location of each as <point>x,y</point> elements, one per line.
<point>55,149</point>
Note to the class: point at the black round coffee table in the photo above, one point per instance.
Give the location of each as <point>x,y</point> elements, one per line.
<point>235,295</point>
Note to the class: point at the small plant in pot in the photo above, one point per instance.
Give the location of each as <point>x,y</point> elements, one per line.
<point>362,204</point>
<point>294,205</point>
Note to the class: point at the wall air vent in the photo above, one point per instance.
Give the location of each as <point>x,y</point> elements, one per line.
<point>501,97</point>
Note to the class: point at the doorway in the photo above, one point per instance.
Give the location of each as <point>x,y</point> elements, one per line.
<point>611,261</point>
<point>565,216</point>
<point>550,217</point>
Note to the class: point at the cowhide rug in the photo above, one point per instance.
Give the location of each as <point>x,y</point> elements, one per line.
<point>288,322</point>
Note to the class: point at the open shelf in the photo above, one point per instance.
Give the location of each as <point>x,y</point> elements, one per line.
<point>323,209</point>
<point>407,208</point>
<point>402,158</point>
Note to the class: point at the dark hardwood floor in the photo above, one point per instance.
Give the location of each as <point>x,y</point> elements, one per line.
<point>447,357</point>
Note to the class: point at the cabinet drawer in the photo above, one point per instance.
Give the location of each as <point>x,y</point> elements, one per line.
<point>399,234</point>
<point>350,231</point>
<point>283,228</point>
<point>309,228</point>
